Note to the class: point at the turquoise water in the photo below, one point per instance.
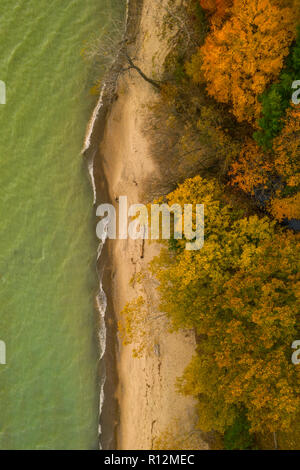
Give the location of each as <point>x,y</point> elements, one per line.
<point>49,394</point>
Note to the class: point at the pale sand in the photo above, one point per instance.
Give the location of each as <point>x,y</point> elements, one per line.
<point>149,403</point>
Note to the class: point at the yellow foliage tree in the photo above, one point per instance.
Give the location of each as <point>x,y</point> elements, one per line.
<point>140,321</point>
<point>133,327</point>
<point>241,293</point>
<point>177,438</point>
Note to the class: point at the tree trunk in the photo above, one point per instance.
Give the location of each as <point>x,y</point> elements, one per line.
<point>141,73</point>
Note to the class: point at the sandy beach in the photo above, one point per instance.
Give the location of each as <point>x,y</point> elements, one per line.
<point>148,401</point>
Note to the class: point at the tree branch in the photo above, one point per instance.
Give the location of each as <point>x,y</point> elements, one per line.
<point>141,73</point>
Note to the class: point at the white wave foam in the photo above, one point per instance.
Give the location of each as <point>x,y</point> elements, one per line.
<point>127,13</point>
<point>91,124</point>
<point>91,173</point>
<point>102,241</point>
<point>103,380</point>
<point>101,301</point>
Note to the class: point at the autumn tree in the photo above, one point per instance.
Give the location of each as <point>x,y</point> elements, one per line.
<point>245,358</point>
<point>217,10</point>
<point>140,320</point>
<point>176,437</point>
<point>287,149</point>
<point>274,175</point>
<point>134,325</point>
<point>238,436</point>
<point>286,203</point>
<point>241,58</point>
<point>241,294</point>
<point>285,208</point>
<point>253,170</point>
<point>277,99</point>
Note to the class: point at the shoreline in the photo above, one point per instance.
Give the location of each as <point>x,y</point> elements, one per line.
<point>140,400</point>
<point>108,381</point>
<point>108,411</point>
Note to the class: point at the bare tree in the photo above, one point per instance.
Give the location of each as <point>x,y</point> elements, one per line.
<point>113,50</point>
<point>113,53</point>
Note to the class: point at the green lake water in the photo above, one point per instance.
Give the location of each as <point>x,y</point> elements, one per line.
<point>49,393</point>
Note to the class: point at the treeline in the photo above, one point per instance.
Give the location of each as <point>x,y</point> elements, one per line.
<point>225,113</point>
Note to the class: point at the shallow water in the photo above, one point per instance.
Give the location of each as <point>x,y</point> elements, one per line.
<point>49,393</point>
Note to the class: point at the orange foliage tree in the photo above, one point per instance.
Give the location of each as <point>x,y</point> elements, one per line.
<point>216,9</point>
<point>286,203</point>
<point>243,56</point>
<point>287,149</point>
<point>253,169</point>
<point>277,172</point>
<point>285,208</point>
